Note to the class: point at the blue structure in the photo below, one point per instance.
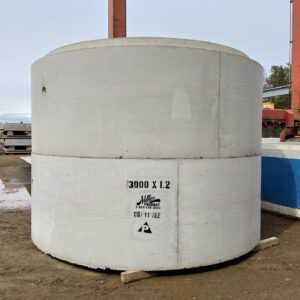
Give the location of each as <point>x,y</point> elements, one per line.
<point>281,177</point>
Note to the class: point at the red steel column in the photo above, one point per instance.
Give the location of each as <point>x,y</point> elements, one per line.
<point>116,18</point>
<point>295,88</point>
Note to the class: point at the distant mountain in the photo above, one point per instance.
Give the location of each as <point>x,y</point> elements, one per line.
<point>15,118</point>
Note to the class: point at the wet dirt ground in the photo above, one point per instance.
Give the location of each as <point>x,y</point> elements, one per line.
<point>27,273</point>
<point>14,178</point>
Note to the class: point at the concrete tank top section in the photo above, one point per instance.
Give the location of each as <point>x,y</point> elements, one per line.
<point>146,153</point>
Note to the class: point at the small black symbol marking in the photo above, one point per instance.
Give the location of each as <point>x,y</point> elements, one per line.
<point>145,228</point>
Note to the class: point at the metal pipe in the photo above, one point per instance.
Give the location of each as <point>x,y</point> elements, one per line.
<point>116,18</point>
<point>295,84</point>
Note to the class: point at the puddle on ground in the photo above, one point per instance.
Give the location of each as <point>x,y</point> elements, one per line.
<point>13,196</point>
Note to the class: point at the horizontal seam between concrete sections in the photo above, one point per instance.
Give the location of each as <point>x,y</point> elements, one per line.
<point>147,158</point>
<point>177,216</point>
<point>219,105</point>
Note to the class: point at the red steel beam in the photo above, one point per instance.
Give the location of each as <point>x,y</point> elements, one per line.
<point>291,129</point>
<point>116,18</point>
<point>279,114</point>
<point>295,84</point>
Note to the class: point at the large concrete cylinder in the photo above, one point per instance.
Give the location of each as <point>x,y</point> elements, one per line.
<point>146,153</point>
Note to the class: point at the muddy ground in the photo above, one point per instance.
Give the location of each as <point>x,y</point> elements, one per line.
<point>27,273</point>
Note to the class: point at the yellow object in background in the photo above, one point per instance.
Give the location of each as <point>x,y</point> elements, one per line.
<point>269,105</point>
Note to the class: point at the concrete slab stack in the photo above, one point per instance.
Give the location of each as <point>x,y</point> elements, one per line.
<point>15,138</point>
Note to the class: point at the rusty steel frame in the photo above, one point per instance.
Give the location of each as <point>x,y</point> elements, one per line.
<point>290,116</point>
<point>117,19</point>
<point>295,82</point>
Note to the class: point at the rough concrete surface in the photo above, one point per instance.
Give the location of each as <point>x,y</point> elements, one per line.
<point>27,273</point>
<point>84,212</point>
<point>146,98</point>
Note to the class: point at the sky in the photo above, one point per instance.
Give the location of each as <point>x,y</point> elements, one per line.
<point>29,29</point>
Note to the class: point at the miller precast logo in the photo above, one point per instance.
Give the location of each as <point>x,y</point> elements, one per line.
<point>145,228</point>
<point>148,202</point>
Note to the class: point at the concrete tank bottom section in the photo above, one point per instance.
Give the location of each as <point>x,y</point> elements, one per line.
<point>146,153</point>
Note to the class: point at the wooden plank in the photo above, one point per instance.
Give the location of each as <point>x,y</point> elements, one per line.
<point>28,188</point>
<point>267,243</point>
<point>26,158</point>
<point>131,276</point>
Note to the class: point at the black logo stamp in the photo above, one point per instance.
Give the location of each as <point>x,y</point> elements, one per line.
<point>148,202</point>
<point>145,228</point>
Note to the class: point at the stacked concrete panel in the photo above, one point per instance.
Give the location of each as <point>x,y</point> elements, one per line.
<point>166,172</point>
<point>15,138</point>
